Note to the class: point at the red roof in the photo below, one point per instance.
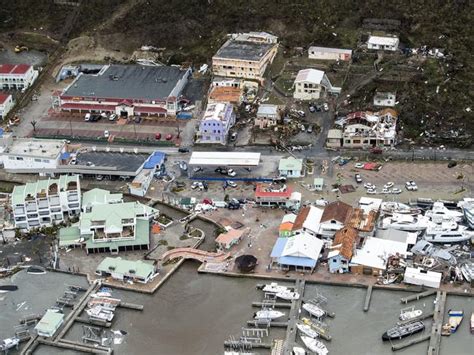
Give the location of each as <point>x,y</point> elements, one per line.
<point>14,69</point>
<point>264,190</point>
<point>3,98</point>
<point>147,109</point>
<point>71,106</point>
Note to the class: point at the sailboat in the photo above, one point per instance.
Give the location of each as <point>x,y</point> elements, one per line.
<point>307,330</point>
<point>268,314</point>
<point>314,345</point>
<point>314,310</point>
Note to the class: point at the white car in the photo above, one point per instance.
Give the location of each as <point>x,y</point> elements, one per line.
<point>197,185</point>
<point>231,183</point>
<point>106,134</point>
<point>231,172</point>
<point>369,186</point>
<point>389,185</point>
<point>411,185</point>
<point>112,117</point>
<point>326,107</point>
<point>359,165</point>
<point>386,191</point>
<point>371,192</point>
<point>396,191</point>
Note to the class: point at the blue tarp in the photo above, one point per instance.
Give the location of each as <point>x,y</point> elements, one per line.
<point>156,159</point>
<point>184,115</point>
<point>65,156</point>
<point>297,261</point>
<point>278,247</point>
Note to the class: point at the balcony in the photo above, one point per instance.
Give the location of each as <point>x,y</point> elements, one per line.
<point>54,201</point>
<point>19,211</point>
<point>31,207</point>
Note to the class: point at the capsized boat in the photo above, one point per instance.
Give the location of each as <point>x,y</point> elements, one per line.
<point>454,320</point>
<point>410,313</point>
<point>36,270</point>
<point>274,288</point>
<point>404,330</point>
<point>288,295</point>
<point>268,314</point>
<point>314,345</point>
<point>8,288</point>
<point>314,310</point>
<point>307,330</point>
<point>9,343</point>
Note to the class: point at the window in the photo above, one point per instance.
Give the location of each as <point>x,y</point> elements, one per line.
<point>19,158</point>
<point>11,158</point>
<point>334,260</point>
<point>38,160</point>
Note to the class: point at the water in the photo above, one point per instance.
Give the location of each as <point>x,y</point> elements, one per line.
<point>194,314</point>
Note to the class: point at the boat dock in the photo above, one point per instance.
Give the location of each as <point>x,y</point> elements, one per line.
<point>411,342</point>
<point>274,305</point>
<point>295,310</point>
<point>255,323</point>
<point>136,307</point>
<point>435,338</point>
<point>417,296</point>
<point>368,297</point>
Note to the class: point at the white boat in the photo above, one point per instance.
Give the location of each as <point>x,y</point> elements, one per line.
<point>398,208</point>
<point>440,211</point>
<point>410,313</point>
<point>275,288</point>
<point>100,314</point>
<point>314,310</point>
<point>406,222</point>
<point>307,330</point>
<point>298,350</point>
<point>102,294</point>
<point>288,295</point>
<point>314,345</point>
<point>9,343</point>
<point>467,271</point>
<point>268,314</point>
<point>438,234</point>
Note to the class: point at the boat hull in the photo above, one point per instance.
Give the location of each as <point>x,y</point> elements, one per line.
<point>405,331</point>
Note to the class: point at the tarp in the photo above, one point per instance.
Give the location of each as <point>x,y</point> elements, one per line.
<point>156,159</point>
<point>65,156</point>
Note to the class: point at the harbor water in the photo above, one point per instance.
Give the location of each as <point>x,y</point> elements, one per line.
<point>194,314</point>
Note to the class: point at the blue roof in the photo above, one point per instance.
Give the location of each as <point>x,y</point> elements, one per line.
<point>157,158</point>
<point>278,247</point>
<point>297,261</point>
<point>65,156</point>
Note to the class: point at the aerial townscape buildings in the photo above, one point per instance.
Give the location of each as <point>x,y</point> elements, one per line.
<point>306,171</point>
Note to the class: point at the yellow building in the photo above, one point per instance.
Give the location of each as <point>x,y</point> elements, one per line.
<point>245,55</point>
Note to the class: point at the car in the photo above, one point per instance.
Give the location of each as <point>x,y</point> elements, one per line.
<point>411,185</point>
<point>326,107</point>
<point>87,117</point>
<point>312,109</point>
<point>169,137</point>
<point>99,177</point>
<point>231,183</point>
<point>106,134</point>
<point>157,136</point>
<point>180,184</point>
<point>371,191</point>
<point>301,113</point>
<point>396,191</point>
<point>303,128</point>
<point>310,129</point>
<point>386,191</point>
<point>205,185</point>
<point>183,150</point>
<point>388,185</point>
<point>183,166</point>
<point>359,165</point>
<point>103,115</point>
<point>124,177</point>
<point>233,205</point>
<point>197,185</point>
<point>73,161</point>
<point>112,117</point>
<point>231,172</point>
<point>197,169</point>
<point>221,171</point>
<point>452,164</point>
<point>279,179</point>
<point>358,178</point>
<point>233,136</point>
<point>368,185</point>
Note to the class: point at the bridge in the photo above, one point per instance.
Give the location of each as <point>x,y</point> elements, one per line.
<point>196,254</point>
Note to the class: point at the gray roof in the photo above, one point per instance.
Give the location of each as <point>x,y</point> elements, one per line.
<point>330,50</point>
<point>243,50</point>
<point>127,82</point>
<point>128,162</point>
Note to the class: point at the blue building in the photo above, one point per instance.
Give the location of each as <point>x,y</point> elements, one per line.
<point>342,250</point>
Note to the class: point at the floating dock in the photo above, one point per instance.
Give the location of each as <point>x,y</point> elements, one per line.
<point>417,296</point>
<point>411,342</point>
<point>368,297</point>
<point>255,323</point>
<point>273,305</point>
<point>435,338</point>
<point>291,330</point>
<point>136,307</point>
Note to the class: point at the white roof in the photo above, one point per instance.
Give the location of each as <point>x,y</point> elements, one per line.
<point>329,50</point>
<point>224,159</point>
<point>376,251</point>
<point>267,109</point>
<point>303,245</point>
<point>335,134</point>
<point>216,111</point>
<point>370,204</point>
<point>420,277</point>
<point>310,75</point>
<point>312,220</point>
<point>42,148</point>
<point>290,217</point>
<point>383,41</point>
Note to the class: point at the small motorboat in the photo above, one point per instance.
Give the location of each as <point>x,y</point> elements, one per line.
<point>9,343</point>
<point>454,320</point>
<point>101,294</point>
<point>8,288</point>
<point>268,314</point>
<point>274,288</point>
<point>404,330</point>
<point>410,313</point>
<point>36,270</point>
<point>288,295</point>
<point>314,345</point>
<point>472,323</point>
<point>100,314</point>
<point>298,350</point>
<point>307,330</point>
<point>314,310</point>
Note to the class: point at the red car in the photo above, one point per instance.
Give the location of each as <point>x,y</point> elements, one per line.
<point>169,137</point>
<point>158,136</point>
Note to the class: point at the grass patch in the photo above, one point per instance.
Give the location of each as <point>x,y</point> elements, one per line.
<point>162,242</point>
<point>195,233</point>
<point>164,219</point>
<point>184,237</point>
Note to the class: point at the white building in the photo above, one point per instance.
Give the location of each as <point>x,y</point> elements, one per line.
<point>385,99</point>
<point>16,76</point>
<point>6,104</point>
<point>312,84</point>
<point>386,43</point>
<point>216,123</point>
<point>267,116</point>
<point>291,167</point>
<point>308,221</point>
<point>30,153</point>
<point>46,202</point>
<point>418,276</point>
<point>325,53</point>
<point>140,184</point>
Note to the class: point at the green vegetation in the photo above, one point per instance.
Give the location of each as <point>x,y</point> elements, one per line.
<point>164,219</point>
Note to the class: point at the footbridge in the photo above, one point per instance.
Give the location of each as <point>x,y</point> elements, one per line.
<point>196,254</point>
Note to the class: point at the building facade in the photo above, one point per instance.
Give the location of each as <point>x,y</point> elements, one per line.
<point>267,116</point>
<point>245,55</point>
<point>312,84</point>
<point>46,202</point>
<point>291,167</point>
<point>386,43</point>
<point>6,104</point>
<point>126,90</point>
<point>325,53</point>
<point>16,76</point>
<point>216,123</point>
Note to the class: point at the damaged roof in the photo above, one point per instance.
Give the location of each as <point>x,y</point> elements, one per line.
<point>338,211</point>
<point>344,241</point>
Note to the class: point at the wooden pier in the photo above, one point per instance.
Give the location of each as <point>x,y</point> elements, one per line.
<point>76,346</point>
<point>413,341</point>
<point>254,323</point>
<point>435,338</point>
<point>94,322</point>
<point>273,305</point>
<point>295,310</point>
<point>247,345</point>
<point>368,297</point>
<point>417,296</point>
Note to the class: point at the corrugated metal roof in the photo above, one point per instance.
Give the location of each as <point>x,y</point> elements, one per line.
<point>224,159</point>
